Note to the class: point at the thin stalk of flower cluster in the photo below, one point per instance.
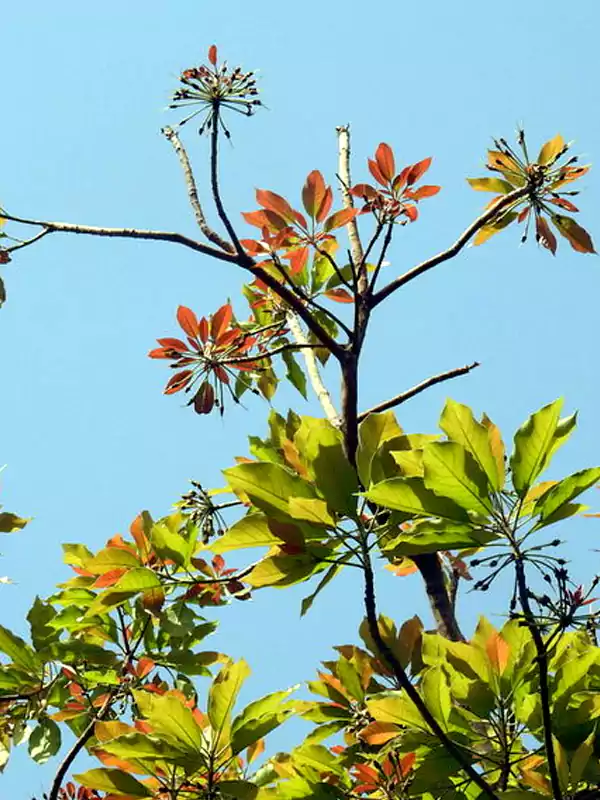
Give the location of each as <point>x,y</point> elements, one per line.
<point>214,179</point>
<point>192,190</point>
<point>420,387</point>
<point>312,370</point>
<point>488,216</point>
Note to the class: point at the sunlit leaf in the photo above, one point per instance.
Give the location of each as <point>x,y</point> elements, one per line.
<point>491,185</point>
<point>551,150</point>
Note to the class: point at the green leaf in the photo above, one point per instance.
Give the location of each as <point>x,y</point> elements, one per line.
<point>436,693</point>
<point>113,780</point>
<point>308,509</point>
<point>222,696</point>
<point>535,442</point>
<point>295,374</point>
<point>108,559</point>
<point>44,741</point>
<point>18,651</point>
<point>327,578</point>
<point>321,447</point>
<point>431,536</point>
<point>459,424</point>
<point>492,228</point>
<point>373,431</point>
<point>40,617</point>
<point>137,580</point>
<point>141,746</point>
<point>581,758</point>
<point>550,150</point>
<point>250,531</point>
<point>170,718</point>
<point>271,709</point>
<point>564,491</point>
<point>394,706</point>
<point>490,185</point>
<point>451,471</point>
<point>169,545</point>
<point>578,237</point>
<point>244,790</point>
<point>413,497</point>
<point>268,486</point>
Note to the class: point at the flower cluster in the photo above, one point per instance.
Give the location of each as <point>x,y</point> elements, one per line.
<point>215,350</point>
<point>542,181</point>
<point>396,201</point>
<point>213,88</point>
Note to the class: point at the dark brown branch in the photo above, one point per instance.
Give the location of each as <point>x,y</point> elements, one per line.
<point>420,387</point>
<point>489,215</point>
<point>386,243</point>
<point>192,191</point>
<point>542,661</point>
<point>124,233</point>
<point>214,180</point>
<point>405,683</point>
<point>27,242</point>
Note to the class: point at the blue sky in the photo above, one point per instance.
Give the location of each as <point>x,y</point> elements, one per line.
<point>88,437</point>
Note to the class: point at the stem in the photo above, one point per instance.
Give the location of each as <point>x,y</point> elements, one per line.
<point>192,190</point>
<point>312,369</point>
<point>507,201</point>
<point>214,180</point>
<point>404,681</point>
<point>542,659</point>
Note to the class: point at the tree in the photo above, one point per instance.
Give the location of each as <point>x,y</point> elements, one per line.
<point>114,651</point>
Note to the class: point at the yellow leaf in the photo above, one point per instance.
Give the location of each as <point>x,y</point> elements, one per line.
<point>490,185</point>
<point>379,732</point>
<point>550,150</point>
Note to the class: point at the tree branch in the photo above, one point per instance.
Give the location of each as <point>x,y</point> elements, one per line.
<point>507,201</point>
<point>192,191</point>
<point>343,132</point>
<point>312,368</point>
<point>214,180</point>
<point>420,387</point>
<point>27,242</point>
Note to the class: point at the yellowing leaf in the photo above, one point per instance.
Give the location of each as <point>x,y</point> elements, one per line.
<point>498,652</point>
<point>490,185</point>
<point>379,733</point>
<point>550,150</point>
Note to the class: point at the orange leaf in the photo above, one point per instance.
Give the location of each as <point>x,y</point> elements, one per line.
<point>404,567</point>
<point>178,381</point>
<point>275,202</point>
<point>566,204</point>
<point>313,193</point>
<point>220,321</point>
<point>544,235</point>
<point>340,218</point>
<point>578,237</point>
<point>109,578</point>
<point>379,732</point>
<point>498,652</point>
<point>325,206</point>
<point>364,191</point>
<point>173,344</point>
<point>153,599</point>
<point>339,295</point>
<point>376,172</point>
<point>298,260</point>
<point>212,55</point>
<point>411,212</point>
<point>417,170</point>
<point>188,321</point>
<point>424,191</point>
<point>144,666</point>
<point>384,156</point>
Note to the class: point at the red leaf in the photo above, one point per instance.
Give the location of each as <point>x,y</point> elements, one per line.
<point>313,193</point>
<point>188,321</point>
<point>578,237</point>
<point>298,260</point>
<point>204,399</point>
<point>144,666</point>
<point>385,161</point>
<point>376,172</point>
<point>411,212</point>
<point>109,578</point>
<point>544,235</point>
<point>159,352</point>
<point>212,55</point>
<point>220,321</point>
<point>227,338</point>
<point>340,218</point>
<point>566,204</point>
<point>275,202</point>
<point>325,206</point>
<point>364,191</point>
<point>178,381</point>
<point>253,248</point>
<point>524,214</point>
<point>220,373</point>
<point>203,330</point>
<point>339,295</point>
<point>424,191</point>
<point>173,344</point>
<point>417,170</point>
<point>400,179</point>
<point>265,219</point>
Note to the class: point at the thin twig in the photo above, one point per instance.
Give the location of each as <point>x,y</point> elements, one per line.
<point>312,368</point>
<point>214,180</point>
<point>454,249</point>
<point>27,242</point>
<point>386,243</point>
<point>343,132</point>
<point>335,267</point>
<point>192,191</point>
<point>420,387</point>
<point>291,346</point>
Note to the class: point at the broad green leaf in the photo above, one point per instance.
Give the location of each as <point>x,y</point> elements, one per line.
<point>108,600</point>
<point>309,509</point>
<point>244,790</point>
<point>450,471</point>
<point>321,448</point>
<point>431,536</point>
<point>142,746</point>
<point>40,617</point>
<point>459,424</point>
<point>569,675</point>
<point>295,374</point>
<point>413,497</point>
<point>284,570</point>
<point>170,718</point>
<point>76,554</point>
<point>18,651</point>
<point>250,531</point>
<point>409,461</point>
<point>169,545</point>
<point>137,580</point>
<point>535,442</point>
<point>550,150</point>
<point>327,578</point>
<point>436,693</point>
<point>497,448</point>
<point>243,727</point>
<point>490,185</point>
<point>222,696</point>
<point>372,432</point>
<point>581,758</point>
<point>114,781</point>
<point>562,764</point>
<point>268,486</point>
<point>44,741</point>
<point>110,558</point>
<point>394,706</point>
<point>566,490</point>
